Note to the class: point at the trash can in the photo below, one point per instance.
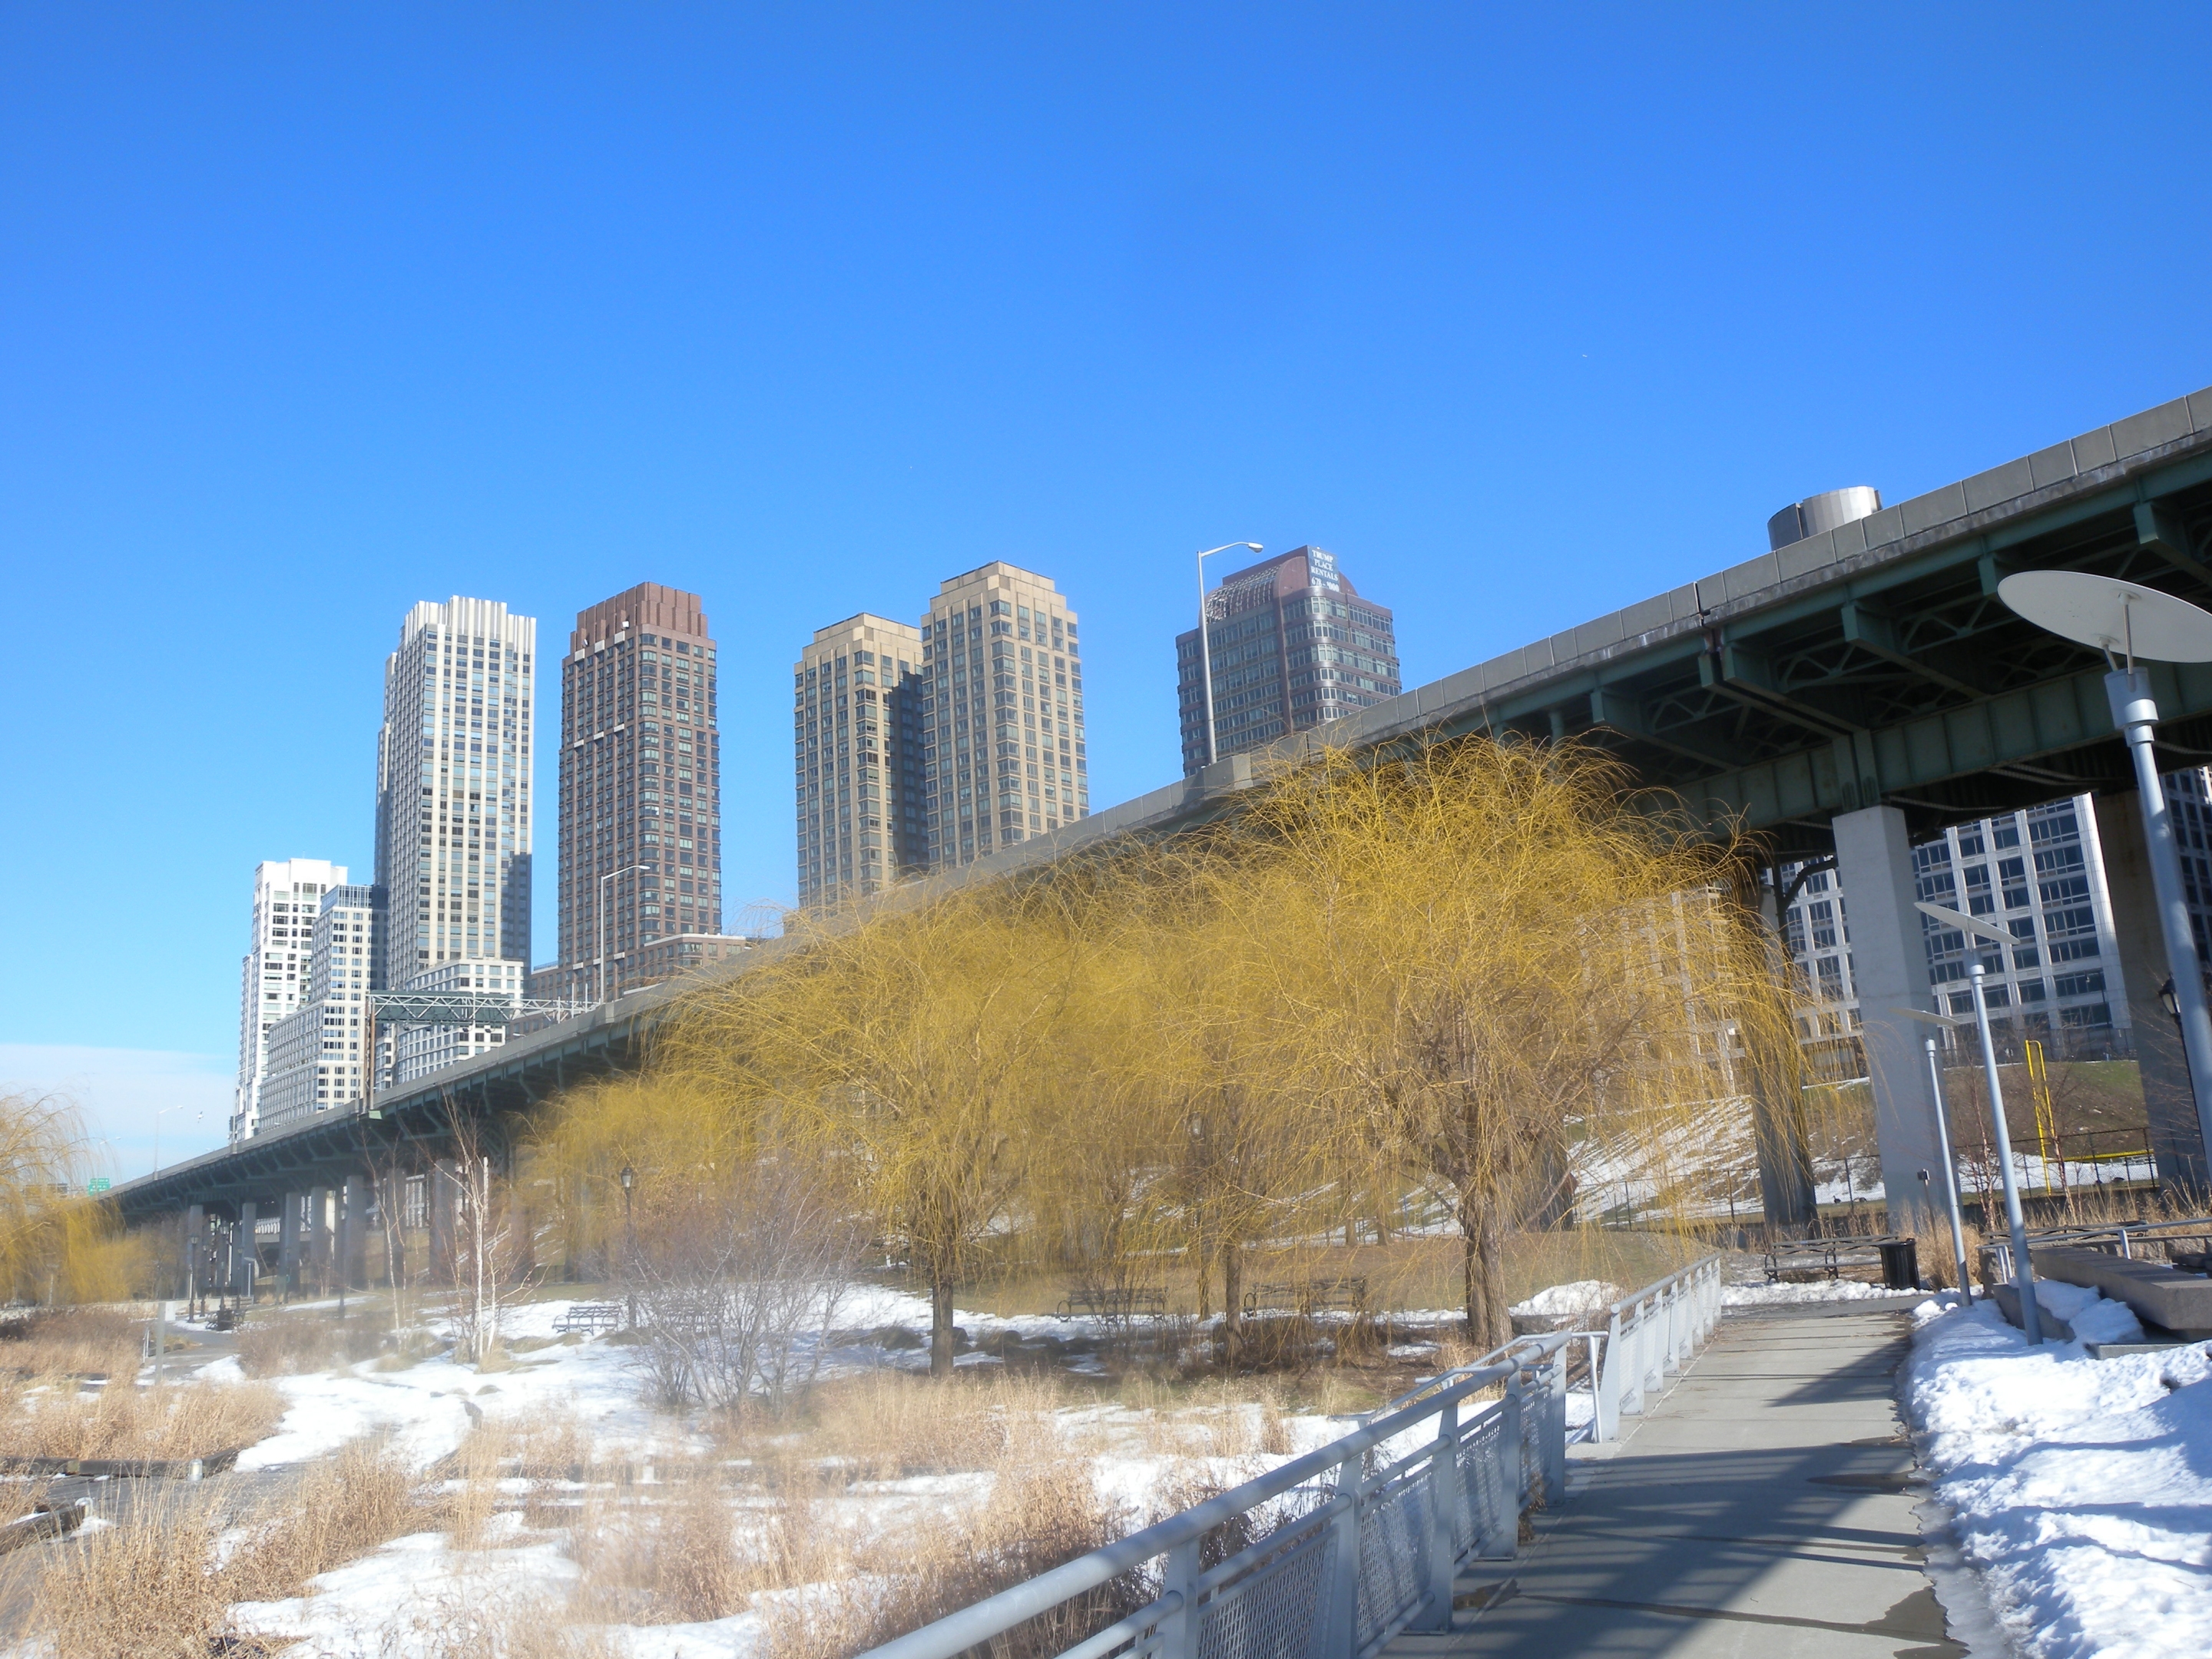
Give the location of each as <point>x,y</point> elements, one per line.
<point>1901,1264</point>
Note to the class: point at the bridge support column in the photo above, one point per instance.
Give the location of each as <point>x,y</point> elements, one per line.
<point>288,1241</point>
<point>242,1276</point>
<point>315,1257</point>
<point>353,1236</point>
<point>443,1195</point>
<point>1889,962</point>
<point>193,1266</point>
<point>2175,1139</point>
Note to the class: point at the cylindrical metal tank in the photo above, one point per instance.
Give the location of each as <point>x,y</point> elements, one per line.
<point>1822,512</point>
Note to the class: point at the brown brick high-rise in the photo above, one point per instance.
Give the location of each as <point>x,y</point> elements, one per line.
<point>640,783</point>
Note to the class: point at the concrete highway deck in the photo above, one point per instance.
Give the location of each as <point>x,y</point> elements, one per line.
<point>1764,1507</point>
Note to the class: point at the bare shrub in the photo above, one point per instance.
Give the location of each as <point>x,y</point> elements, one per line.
<point>666,1558</point>
<point>732,1280</point>
<point>145,1589</point>
<point>340,1508</point>
<point>887,1424</point>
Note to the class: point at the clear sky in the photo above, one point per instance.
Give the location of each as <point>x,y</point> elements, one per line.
<point>309,312</point>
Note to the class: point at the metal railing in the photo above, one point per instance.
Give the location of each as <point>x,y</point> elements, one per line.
<point>2129,1240</point>
<point>1362,1539</point>
<point>1648,1336</point>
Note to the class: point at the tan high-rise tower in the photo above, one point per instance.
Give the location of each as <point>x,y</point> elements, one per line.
<point>1003,755</point>
<point>918,748</point>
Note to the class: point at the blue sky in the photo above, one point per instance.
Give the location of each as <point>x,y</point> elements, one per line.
<point>307,313</point>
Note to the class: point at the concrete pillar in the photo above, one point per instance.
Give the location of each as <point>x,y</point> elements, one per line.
<point>288,1239</point>
<point>1889,967</point>
<point>315,1252</point>
<point>193,1267</point>
<point>443,1195</point>
<point>353,1231</point>
<point>242,1279</point>
<point>2175,1140</point>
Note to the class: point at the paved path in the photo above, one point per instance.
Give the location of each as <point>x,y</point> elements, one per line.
<point>1761,1509</point>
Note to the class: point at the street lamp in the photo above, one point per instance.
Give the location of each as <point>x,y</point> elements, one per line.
<point>2119,618</point>
<point>158,1116</point>
<point>629,1242</point>
<point>1943,1143</point>
<point>2023,1271</point>
<point>603,880</point>
<point>1204,648</point>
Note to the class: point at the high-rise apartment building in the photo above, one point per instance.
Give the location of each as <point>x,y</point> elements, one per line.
<point>277,972</point>
<point>1003,754</point>
<point>1292,645</point>
<point>918,748</point>
<point>2041,872</point>
<point>453,788</point>
<point>641,788</point>
<point>316,1059</point>
<point>855,736</point>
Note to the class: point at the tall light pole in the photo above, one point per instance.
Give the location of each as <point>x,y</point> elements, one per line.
<point>2023,1270</point>
<point>2126,622</point>
<point>602,907</point>
<point>1943,1143</point>
<point>1205,647</point>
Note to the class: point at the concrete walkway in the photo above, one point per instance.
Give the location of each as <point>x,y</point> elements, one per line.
<point>1764,1507</point>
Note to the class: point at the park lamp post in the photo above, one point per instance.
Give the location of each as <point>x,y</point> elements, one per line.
<point>2023,1271</point>
<point>630,1244</point>
<point>2128,623</point>
<point>603,880</point>
<point>1204,648</point>
<point>1943,1145</point>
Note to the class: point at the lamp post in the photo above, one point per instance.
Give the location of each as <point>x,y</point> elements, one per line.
<point>1205,647</point>
<point>2126,622</point>
<point>603,880</point>
<point>158,1116</point>
<point>1943,1142</point>
<point>2023,1271</point>
<point>629,1242</point>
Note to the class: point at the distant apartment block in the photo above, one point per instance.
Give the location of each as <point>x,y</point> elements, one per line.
<point>1292,645</point>
<point>640,788</point>
<point>317,1059</point>
<point>453,792</point>
<point>918,748</point>
<point>276,974</point>
<point>2041,874</point>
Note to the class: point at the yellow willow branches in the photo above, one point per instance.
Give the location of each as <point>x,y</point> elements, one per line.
<point>1482,978</point>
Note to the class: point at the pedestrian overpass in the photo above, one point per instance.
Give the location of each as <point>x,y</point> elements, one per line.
<point>1842,694</point>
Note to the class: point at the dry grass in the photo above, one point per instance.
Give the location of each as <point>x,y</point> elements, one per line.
<point>71,1342</point>
<point>163,1583</point>
<point>286,1344</point>
<point>52,1416</point>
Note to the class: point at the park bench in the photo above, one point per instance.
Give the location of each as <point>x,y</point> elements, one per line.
<point>589,1319</point>
<point>1139,1302</point>
<point>1827,1256</point>
<point>1308,1297</point>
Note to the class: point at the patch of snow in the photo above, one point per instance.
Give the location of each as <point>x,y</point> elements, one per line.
<point>2081,1488</point>
<point>1583,1296</point>
<point>1776,1295</point>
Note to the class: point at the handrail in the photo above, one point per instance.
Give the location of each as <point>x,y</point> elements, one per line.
<point>956,1632</point>
<point>1378,1553</point>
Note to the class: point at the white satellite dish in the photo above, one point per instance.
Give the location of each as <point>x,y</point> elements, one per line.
<point>2117,617</point>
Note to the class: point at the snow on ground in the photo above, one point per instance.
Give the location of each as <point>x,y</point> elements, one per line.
<point>1821,1290</point>
<point>1575,1301</point>
<point>2081,1487</point>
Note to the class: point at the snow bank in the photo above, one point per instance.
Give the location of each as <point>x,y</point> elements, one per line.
<point>2081,1488</point>
<point>1822,1290</point>
<point>1573,1301</point>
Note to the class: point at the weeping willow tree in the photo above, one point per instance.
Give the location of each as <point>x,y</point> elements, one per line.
<point>1483,970</point>
<point>1486,953</point>
<point>54,1242</point>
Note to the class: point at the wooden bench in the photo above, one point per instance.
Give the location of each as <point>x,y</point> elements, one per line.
<point>1308,1297</point>
<point>589,1319</point>
<point>1829,1256</point>
<point>1140,1302</point>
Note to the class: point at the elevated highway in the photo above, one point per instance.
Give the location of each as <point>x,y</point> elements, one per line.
<point>1844,694</point>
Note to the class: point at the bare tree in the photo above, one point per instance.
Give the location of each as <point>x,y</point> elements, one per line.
<point>737,1282</point>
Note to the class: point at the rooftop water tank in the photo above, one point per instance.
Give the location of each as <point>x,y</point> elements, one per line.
<point>1822,512</point>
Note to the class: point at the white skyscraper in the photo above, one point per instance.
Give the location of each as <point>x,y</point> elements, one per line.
<point>452,792</point>
<point>287,896</point>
